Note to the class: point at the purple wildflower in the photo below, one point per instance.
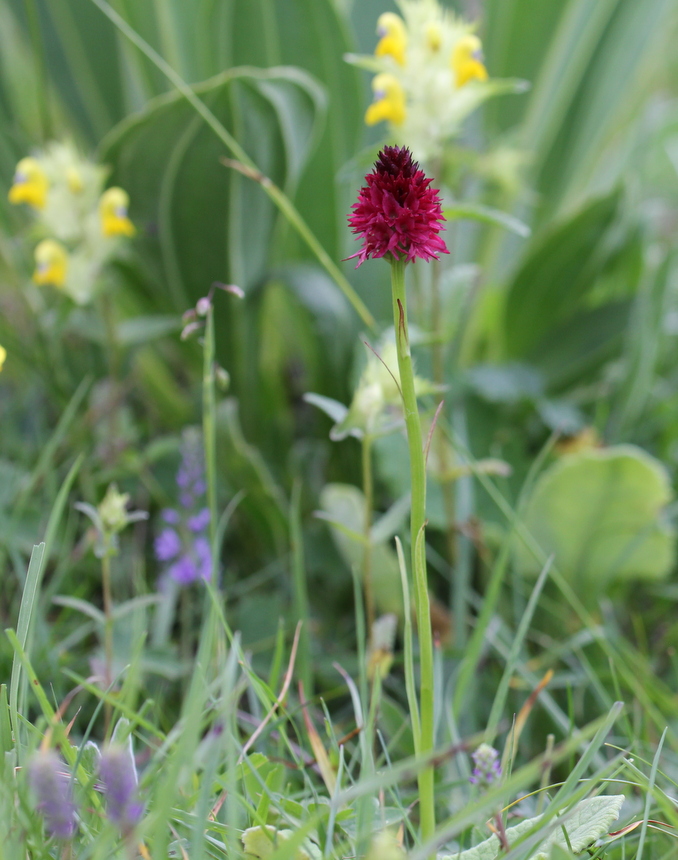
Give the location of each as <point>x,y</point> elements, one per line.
<point>167,545</point>
<point>487,768</point>
<point>52,787</point>
<point>121,786</point>
<point>184,548</point>
<point>200,521</point>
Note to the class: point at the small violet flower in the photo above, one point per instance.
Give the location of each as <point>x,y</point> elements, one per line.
<point>182,545</point>
<point>52,788</point>
<point>487,768</point>
<point>120,785</point>
<point>397,213</point>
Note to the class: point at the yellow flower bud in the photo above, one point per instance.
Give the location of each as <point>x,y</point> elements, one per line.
<point>113,213</point>
<point>51,263</point>
<point>434,37</point>
<point>74,180</point>
<point>389,101</point>
<point>30,184</point>
<point>393,37</point>
<point>3,356</point>
<point>467,60</point>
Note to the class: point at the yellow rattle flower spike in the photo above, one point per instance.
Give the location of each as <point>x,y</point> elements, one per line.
<point>113,206</point>
<point>389,101</point>
<point>3,356</point>
<point>51,263</point>
<point>30,184</point>
<point>467,60</point>
<point>392,37</point>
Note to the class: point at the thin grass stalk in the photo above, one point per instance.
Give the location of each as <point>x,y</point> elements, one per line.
<point>301,602</point>
<point>418,546</point>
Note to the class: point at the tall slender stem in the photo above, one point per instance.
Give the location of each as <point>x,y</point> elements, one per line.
<point>417,538</point>
<point>108,630</point>
<point>368,493</point>
<point>209,433</point>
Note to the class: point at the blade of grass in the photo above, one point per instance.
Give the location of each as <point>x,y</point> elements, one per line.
<point>17,685</point>
<point>473,652</point>
<point>410,681</point>
<point>517,644</point>
<point>648,797</point>
<point>301,603</point>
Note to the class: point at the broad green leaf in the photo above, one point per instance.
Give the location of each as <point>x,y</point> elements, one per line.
<point>578,347</point>
<point>557,273</point>
<point>600,512</point>
<point>585,823</point>
<point>346,505</point>
<point>204,221</point>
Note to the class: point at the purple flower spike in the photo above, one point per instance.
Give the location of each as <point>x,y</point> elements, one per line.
<point>121,787</point>
<point>167,545</point>
<point>200,521</point>
<point>184,548</point>
<point>51,785</point>
<point>184,571</point>
<point>487,768</point>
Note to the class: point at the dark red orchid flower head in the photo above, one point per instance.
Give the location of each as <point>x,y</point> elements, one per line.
<point>397,212</point>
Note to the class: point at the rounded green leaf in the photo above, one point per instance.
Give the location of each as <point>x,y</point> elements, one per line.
<point>600,512</point>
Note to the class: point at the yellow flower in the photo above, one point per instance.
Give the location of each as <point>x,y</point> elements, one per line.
<point>389,101</point>
<point>51,263</point>
<point>393,37</point>
<point>113,213</point>
<point>3,356</point>
<point>30,184</point>
<point>467,60</point>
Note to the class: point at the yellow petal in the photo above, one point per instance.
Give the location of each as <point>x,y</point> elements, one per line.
<point>393,42</point>
<point>30,184</point>
<point>467,60</point>
<point>113,206</point>
<point>51,263</point>
<point>384,111</point>
<point>3,356</point>
<point>389,101</point>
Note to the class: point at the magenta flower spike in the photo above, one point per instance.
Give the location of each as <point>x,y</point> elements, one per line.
<point>398,214</point>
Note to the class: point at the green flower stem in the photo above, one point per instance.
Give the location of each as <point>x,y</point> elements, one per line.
<point>209,432</point>
<point>417,538</point>
<point>368,493</point>
<point>108,630</point>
